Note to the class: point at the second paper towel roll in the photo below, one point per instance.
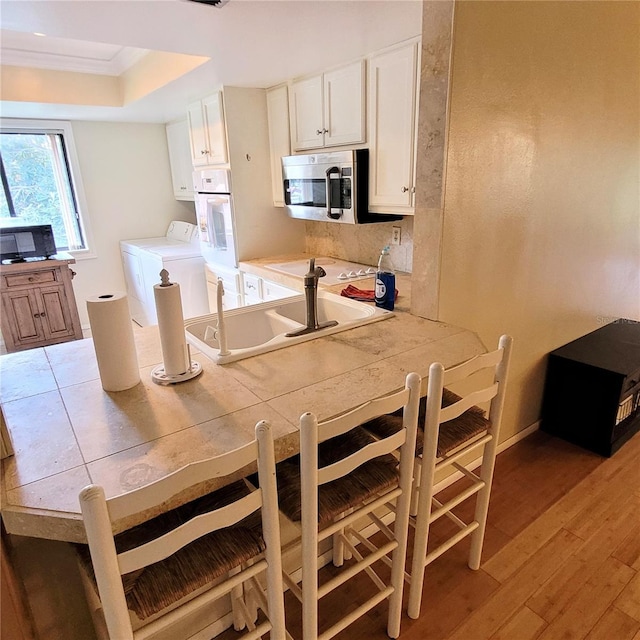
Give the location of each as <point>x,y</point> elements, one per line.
<point>175,354</point>
<point>112,334</point>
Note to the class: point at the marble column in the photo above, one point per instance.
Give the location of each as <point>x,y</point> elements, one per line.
<point>435,76</point>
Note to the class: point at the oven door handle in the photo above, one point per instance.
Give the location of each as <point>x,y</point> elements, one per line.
<point>330,214</point>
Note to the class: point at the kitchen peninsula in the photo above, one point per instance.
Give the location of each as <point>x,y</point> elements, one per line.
<point>67,432</point>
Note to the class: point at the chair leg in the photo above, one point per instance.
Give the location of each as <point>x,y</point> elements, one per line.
<point>250,599</point>
<point>337,548</point>
<point>237,593</point>
<point>482,504</point>
<point>415,487</point>
<point>418,564</point>
<point>339,551</point>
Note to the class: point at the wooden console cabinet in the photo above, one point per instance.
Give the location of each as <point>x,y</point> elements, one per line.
<point>592,389</point>
<point>38,305</point>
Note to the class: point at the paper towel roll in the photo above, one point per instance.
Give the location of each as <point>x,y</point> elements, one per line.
<point>112,334</point>
<point>175,354</point>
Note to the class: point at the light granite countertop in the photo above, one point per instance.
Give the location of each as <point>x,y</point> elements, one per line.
<point>67,432</point>
<point>262,267</point>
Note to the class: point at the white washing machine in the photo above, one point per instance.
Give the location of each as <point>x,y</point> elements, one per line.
<point>179,253</point>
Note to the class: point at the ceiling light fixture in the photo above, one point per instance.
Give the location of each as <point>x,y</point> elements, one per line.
<point>37,33</point>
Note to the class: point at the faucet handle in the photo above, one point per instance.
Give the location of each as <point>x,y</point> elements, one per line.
<point>315,272</point>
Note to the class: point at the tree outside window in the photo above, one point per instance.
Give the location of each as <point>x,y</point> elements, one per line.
<point>38,186</point>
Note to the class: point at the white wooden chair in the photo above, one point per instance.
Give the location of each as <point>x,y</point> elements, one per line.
<point>164,575</point>
<point>344,476</point>
<point>456,432</point>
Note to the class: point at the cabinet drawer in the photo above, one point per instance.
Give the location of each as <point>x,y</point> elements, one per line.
<point>272,291</point>
<point>30,278</point>
<point>251,287</point>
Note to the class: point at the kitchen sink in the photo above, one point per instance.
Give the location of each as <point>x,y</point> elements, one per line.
<point>263,327</point>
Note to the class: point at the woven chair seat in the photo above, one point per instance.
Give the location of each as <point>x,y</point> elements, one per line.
<point>158,586</point>
<point>344,493</point>
<point>452,433</point>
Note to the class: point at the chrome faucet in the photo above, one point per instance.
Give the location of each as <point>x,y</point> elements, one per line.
<point>311,298</point>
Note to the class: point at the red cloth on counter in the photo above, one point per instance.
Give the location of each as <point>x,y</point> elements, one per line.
<point>364,295</point>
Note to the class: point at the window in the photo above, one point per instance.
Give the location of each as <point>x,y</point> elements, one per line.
<point>40,180</point>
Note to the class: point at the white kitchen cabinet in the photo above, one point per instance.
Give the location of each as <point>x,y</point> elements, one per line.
<point>279,140</point>
<point>180,159</point>
<point>392,109</point>
<point>273,291</point>
<point>251,288</point>
<point>328,109</point>
<point>231,282</point>
<point>207,133</point>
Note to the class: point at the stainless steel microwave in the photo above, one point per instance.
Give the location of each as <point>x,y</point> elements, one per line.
<point>330,186</point>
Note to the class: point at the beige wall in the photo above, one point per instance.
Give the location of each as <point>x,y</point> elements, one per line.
<point>127,182</point>
<point>541,235</point>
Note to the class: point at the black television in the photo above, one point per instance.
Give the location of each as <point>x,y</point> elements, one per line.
<point>19,244</point>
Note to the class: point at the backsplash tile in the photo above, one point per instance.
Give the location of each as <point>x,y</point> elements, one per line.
<point>361,243</point>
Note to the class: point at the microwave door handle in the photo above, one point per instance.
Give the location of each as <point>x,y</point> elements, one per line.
<point>330,214</point>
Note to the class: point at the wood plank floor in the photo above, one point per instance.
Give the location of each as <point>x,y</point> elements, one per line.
<point>561,559</point>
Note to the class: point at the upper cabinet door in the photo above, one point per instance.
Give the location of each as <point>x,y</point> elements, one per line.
<point>392,129</point>
<point>327,110</point>
<point>344,98</point>
<point>197,134</point>
<point>207,132</point>
<point>307,121</point>
<point>180,159</point>
<point>279,142</point>
<point>216,134</point>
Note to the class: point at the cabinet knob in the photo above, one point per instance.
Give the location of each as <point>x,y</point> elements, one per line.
<point>405,189</point>
<point>319,132</point>
<point>73,273</point>
<point>204,152</point>
<point>31,279</point>
<point>325,131</point>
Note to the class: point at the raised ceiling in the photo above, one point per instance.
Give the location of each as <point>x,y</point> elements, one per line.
<point>256,43</point>
<point>22,49</point>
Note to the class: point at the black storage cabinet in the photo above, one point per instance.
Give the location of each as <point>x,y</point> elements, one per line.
<point>592,388</point>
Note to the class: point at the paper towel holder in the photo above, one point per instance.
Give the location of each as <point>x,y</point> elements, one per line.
<point>159,374</point>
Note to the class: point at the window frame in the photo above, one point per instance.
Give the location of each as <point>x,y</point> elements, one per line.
<point>64,128</point>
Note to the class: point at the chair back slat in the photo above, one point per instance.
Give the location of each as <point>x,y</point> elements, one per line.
<point>464,370</point>
<point>374,491</point>
<point>186,578</point>
<point>167,544</point>
<point>139,500</point>
<point>365,412</point>
<point>454,436</point>
<point>458,408</point>
<point>369,452</point>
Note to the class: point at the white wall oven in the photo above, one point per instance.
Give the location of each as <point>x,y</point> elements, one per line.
<point>215,216</point>
<point>219,245</point>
